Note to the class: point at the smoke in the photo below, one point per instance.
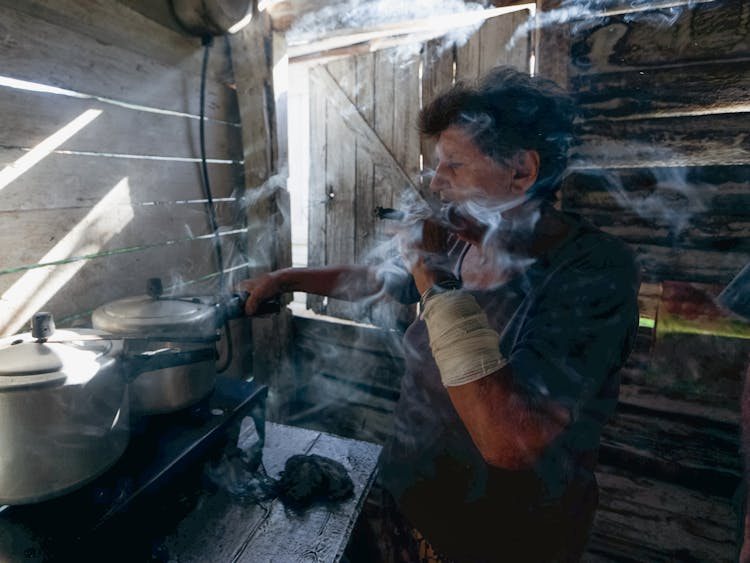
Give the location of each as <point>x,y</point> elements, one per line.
<point>585,15</point>
<point>266,209</point>
<point>669,201</point>
<point>402,27</point>
<point>353,14</point>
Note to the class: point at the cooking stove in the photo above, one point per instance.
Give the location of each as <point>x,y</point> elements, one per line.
<point>122,513</point>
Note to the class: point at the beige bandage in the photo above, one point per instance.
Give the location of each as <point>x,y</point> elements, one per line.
<point>464,346</point>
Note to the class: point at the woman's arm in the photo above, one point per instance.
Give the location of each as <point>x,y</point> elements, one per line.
<point>349,282</point>
<point>513,407</point>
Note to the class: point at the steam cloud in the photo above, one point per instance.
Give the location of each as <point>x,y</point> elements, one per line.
<point>584,15</point>
<point>352,14</point>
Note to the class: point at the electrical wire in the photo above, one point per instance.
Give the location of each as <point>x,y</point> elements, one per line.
<point>207,42</point>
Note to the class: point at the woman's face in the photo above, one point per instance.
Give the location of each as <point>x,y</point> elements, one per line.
<point>464,173</point>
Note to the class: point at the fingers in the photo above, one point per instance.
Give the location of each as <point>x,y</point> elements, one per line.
<point>259,289</point>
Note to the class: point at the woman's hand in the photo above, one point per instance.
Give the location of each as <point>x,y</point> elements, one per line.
<point>425,251</point>
<point>260,289</point>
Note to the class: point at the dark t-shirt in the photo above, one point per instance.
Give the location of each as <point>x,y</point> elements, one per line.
<point>567,324</point>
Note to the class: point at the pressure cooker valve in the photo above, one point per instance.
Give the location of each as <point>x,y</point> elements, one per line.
<point>154,288</point>
<point>42,326</point>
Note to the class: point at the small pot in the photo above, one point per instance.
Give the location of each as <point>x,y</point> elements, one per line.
<point>171,389</point>
<point>64,406</point>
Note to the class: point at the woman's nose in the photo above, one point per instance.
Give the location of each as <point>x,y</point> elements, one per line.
<point>437,182</point>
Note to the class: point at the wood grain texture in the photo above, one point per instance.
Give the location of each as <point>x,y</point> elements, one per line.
<point>715,87</point>
<point>692,190</point>
<point>703,140</point>
<point>341,178</point>
<point>437,76</point>
<point>712,31</point>
<point>75,61</point>
<point>225,529</point>
<point>553,52</point>
<point>644,519</point>
<point>696,453</point>
<point>32,117</point>
<point>660,262</point>
<point>123,193</point>
<point>57,181</point>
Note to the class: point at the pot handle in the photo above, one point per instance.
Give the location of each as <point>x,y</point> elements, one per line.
<point>233,307</point>
<point>165,358</point>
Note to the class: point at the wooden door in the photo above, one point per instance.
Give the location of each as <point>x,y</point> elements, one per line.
<point>365,149</point>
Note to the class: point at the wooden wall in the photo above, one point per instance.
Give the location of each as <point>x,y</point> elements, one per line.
<point>666,99</point>
<point>100,177</point>
<point>663,164</point>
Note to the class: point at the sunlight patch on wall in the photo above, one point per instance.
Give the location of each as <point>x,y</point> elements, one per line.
<point>43,149</point>
<point>36,287</point>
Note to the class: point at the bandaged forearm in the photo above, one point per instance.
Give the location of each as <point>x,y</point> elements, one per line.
<point>463,344</point>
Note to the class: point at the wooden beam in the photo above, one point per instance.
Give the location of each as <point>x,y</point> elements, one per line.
<point>423,29</point>
<point>269,240</point>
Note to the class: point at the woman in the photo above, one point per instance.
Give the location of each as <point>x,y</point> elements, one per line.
<point>526,316</point>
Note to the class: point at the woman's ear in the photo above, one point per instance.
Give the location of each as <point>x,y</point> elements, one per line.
<point>525,170</point>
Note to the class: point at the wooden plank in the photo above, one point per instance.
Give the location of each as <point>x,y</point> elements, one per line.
<point>164,41</point>
<point>364,202</point>
<point>371,141</point>
<point>708,231</point>
<point>70,289</point>
<point>73,61</point>
<point>467,58</point>
<point>113,224</point>
<point>553,53</point>
<point>685,364</point>
<point>341,178</point>
<point>379,375</point>
<point>223,528</point>
<point>345,336</point>
<point>722,190</point>
<point>642,519</point>
<point>437,77</point>
<point>656,399</point>
<point>159,12</point>
<point>318,192</point>
<point>405,145</point>
<point>661,262</point>
<point>705,140</point>
<point>400,106</point>
<point>701,32</point>
<point>79,181</point>
<point>254,82</point>
<point>693,452</point>
<point>329,529</point>
<point>715,87</point>
<point>32,117</point>
<point>496,49</point>
<point>268,241</point>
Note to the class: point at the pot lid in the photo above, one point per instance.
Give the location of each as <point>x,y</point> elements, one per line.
<point>145,316</point>
<point>72,357</point>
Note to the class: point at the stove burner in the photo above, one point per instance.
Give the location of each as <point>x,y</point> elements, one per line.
<point>162,465</point>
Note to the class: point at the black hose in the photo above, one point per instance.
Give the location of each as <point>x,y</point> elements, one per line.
<point>207,41</point>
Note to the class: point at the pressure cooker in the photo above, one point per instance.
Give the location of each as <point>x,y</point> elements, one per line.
<point>171,317</point>
<point>64,411</point>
